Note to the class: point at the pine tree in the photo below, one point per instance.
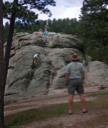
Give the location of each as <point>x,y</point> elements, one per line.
<point>94,20</point>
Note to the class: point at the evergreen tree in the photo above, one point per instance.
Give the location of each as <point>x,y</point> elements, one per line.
<point>21,9</point>
<point>94,22</point>
<point>1,68</point>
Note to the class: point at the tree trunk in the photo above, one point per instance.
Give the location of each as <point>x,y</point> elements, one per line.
<point>9,40</point>
<point>4,64</point>
<point>1,69</point>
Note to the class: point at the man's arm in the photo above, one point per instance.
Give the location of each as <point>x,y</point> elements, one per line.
<point>67,79</point>
<point>83,75</point>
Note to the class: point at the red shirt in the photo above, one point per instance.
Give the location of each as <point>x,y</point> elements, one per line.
<point>35,59</point>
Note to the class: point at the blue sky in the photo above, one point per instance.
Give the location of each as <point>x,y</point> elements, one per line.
<point>63,9</point>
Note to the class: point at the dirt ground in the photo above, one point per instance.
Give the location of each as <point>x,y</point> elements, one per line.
<point>76,120</point>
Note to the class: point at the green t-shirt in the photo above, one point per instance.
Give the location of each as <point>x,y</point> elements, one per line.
<point>75,70</point>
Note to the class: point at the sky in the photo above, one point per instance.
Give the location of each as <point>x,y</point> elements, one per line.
<point>63,9</point>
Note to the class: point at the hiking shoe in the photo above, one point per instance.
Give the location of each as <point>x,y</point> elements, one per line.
<point>85,111</point>
<point>70,113</point>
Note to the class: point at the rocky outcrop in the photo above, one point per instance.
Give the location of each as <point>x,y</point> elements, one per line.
<point>23,81</point>
<point>49,74</point>
<point>97,74</point>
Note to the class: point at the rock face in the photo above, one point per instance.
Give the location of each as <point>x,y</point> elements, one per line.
<point>49,74</point>
<point>22,80</point>
<point>97,74</point>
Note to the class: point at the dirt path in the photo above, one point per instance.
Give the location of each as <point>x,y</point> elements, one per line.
<point>76,120</point>
<point>57,97</point>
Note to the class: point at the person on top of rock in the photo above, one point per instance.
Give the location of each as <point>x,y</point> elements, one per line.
<point>74,79</point>
<point>46,33</point>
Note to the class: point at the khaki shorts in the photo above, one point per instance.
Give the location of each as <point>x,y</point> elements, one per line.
<point>75,85</point>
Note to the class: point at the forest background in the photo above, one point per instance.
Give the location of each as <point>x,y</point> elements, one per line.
<point>91,28</point>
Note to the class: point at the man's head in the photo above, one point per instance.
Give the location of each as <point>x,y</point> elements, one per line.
<point>74,57</point>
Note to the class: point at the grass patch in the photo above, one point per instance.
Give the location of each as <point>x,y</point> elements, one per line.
<point>31,115</point>
<point>98,94</point>
<point>47,112</point>
<point>101,101</point>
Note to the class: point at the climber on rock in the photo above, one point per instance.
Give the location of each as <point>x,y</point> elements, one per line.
<point>46,33</point>
<point>36,60</point>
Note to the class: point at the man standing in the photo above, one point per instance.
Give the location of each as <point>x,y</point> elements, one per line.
<point>74,77</point>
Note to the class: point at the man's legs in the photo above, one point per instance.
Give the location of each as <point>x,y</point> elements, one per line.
<point>70,100</point>
<point>82,98</point>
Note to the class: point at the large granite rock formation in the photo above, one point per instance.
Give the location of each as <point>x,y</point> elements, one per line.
<point>23,81</point>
